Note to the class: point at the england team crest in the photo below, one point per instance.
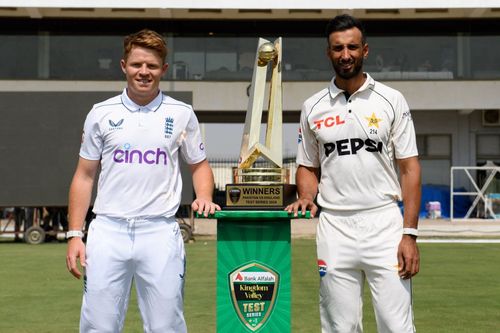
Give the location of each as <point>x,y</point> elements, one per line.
<point>168,127</point>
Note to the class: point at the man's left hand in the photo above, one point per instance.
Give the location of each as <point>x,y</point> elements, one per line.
<point>204,206</point>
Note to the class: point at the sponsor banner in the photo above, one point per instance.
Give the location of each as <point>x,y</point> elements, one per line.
<point>254,288</point>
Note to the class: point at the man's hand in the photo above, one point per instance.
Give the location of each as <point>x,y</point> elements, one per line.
<point>408,257</point>
<point>76,250</point>
<point>302,205</point>
<point>307,188</point>
<point>205,207</point>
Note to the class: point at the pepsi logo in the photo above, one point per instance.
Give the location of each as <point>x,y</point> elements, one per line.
<point>322,267</point>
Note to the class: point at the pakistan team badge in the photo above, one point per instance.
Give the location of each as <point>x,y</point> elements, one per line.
<point>253,291</point>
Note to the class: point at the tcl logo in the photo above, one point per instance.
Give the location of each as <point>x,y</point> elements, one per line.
<point>328,122</point>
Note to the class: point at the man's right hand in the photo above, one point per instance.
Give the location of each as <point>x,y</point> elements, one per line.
<point>302,205</point>
<point>76,250</point>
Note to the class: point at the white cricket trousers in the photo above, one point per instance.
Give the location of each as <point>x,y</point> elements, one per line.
<point>148,251</point>
<point>354,246</point>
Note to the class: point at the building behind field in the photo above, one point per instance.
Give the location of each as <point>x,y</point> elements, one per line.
<point>58,58</point>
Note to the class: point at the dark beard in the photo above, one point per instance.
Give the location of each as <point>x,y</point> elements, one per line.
<point>358,66</point>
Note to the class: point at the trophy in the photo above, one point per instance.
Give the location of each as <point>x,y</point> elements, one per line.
<point>262,187</point>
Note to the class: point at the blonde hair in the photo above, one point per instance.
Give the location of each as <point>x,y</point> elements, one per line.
<point>145,38</point>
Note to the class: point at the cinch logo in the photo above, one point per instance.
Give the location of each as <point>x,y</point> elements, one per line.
<point>299,140</point>
<point>352,146</point>
<point>157,156</point>
<point>328,122</point>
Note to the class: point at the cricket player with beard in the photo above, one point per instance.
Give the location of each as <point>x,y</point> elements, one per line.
<point>135,139</point>
<point>353,137</point>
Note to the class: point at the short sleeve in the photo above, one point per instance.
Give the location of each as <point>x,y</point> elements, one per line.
<point>307,151</point>
<point>403,132</point>
<point>192,146</point>
<point>92,141</point>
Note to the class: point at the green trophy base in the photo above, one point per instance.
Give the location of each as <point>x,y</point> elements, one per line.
<point>253,271</point>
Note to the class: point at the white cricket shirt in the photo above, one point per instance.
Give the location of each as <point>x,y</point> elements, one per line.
<point>354,141</point>
<point>139,148</point>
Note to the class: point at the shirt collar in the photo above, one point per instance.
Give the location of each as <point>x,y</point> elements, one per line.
<point>133,107</point>
<point>335,91</point>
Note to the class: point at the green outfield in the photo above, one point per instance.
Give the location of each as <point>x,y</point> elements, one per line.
<point>458,289</point>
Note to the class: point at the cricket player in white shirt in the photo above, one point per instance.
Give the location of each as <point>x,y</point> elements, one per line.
<point>135,139</point>
<point>352,136</point>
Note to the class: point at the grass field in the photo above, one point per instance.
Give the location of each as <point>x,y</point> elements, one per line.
<point>458,289</point>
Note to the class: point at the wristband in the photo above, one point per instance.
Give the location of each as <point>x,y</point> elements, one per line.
<point>410,231</point>
<point>74,233</point>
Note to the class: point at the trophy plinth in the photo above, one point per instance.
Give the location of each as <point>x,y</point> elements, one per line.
<point>260,188</point>
<point>252,280</point>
